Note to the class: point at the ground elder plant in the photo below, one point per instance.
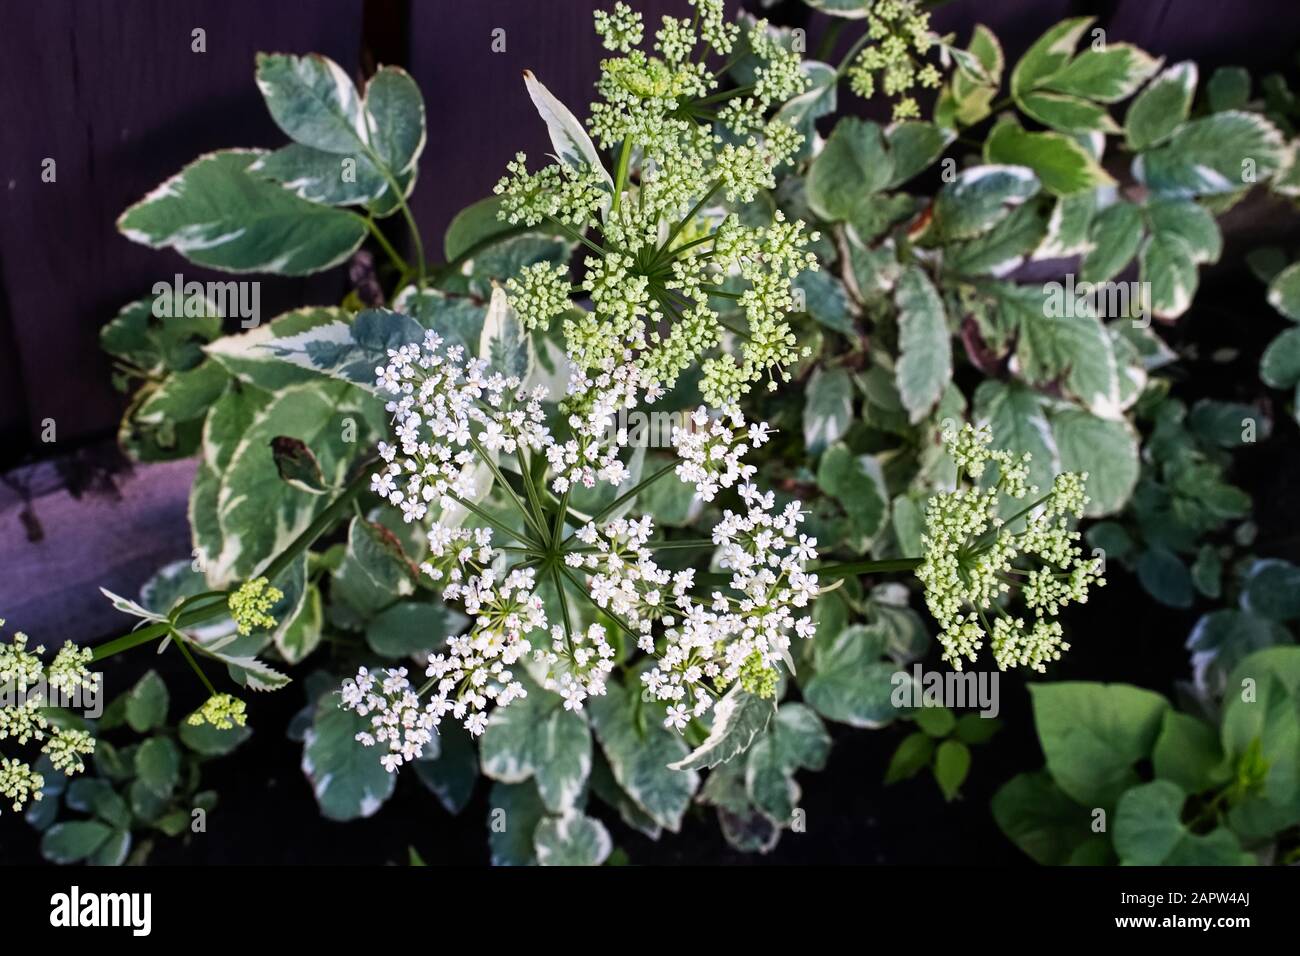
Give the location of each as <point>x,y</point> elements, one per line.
<point>445,505</point>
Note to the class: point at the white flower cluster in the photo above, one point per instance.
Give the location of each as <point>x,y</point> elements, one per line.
<point>712,448</point>
<point>396,717</point>
<point>972,553</point>
<point>577,664</point>
<point>25,682</point>
<point>741,633</point>
<point>440,396</point>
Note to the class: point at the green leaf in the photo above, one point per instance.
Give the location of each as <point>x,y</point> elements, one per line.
<point>1106,450</point>
<point>158,765</point>
<point>157,343</point>
<point>1160,108</point>
<point>146,703</point>
<point>347,778</point>
<point>1228,89</point>
<point>114,850</point>
<point>333,179</point>
<point>211,741</point>
<point>259,514</point>
<point>1191,222</point>
<point>1149,832</point>
<point>1041,820</point>
<point>1107,75</point>
<point>1217,154</point>
<point>640,759</point>
<point>1018,419</point>
<point>503,343</point>
<point>313,100</point>
<point>976,729</point>
<point>375,569</point>
<point>215,213</point>
<point>852,165</point>
<point>1070,345</point>
<point>738,717</point>
<point>914,147</point>
<point>1003,248</point>
<point>1222,638</point>
<point>1280,365</point>
<point>924,366</point>
<point>795,740</point>
<point>1284,292</point>
<point>475,225</point>
<point>408,628</point>
<point>858,483</point>
<point>1168,266</point>
<point>1187,752</point>
<point>1165,577</point>
<point>1093,734</point>
<point>1048,54</point>
<point>851,682</point>
<point>1114,235</point>
<point>397,125</point>
<point>92,795</point>
<point>296,638</point>
<point>1272,590</point>
<point>849,9</point>
<point>935,721</point>
<point>1069,114</point>
<point>573,839</point>
<point>451,775</point>
<point>981,197</point>
<point>268,356</point>
<point>951,765</point>
<point>1061,164</point>
<point>514,812</point>
<point>74,841</point>
<point>828,409</point>
<point>912,756</point>
<point>537,738</point>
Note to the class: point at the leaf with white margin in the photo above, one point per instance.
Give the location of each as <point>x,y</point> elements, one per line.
<point>573,839</point>
<point>828,410</point>
<point>1104,448</point>
<point>1168,269</point>
<point>738,718</point>
<point>536,737</point>
<point>572,144</point>
<point>1160,108</point>
<point>924,366</point>
<point>322,177</point>
<point>216,213</point>
<point>1017,417</point>
<point>313,100</point>
<point>1284,292</point>
<point>640,762</point>
<point>127,606</point>
<point>981,197</point>
<point>1216,154</point>
<point>503,343</point>
<point>347,778</point>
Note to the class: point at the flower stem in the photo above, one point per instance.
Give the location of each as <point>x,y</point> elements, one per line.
<point>325,520</point>
<point>179,640</point>
<point>621,499</point>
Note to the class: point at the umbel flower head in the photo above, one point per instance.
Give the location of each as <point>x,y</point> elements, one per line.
<point>250,604</point>
<point>26,683</point>
<point>222,711</point>
<point>899,36</point>
<point>673,276</point>
<point>976,560</point>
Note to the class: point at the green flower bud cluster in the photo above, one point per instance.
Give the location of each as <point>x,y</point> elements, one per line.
<point>250,604</point>
<point>26,681</point>
<point>901,34</point>
<point>222,711</point>
<point>975,559</point>
<point>668,254</point>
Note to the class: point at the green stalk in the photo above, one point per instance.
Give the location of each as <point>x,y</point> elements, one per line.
<point>514,495</point>
<point>645,482</point>
<point>323,522</point>
<point>402,266</point>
